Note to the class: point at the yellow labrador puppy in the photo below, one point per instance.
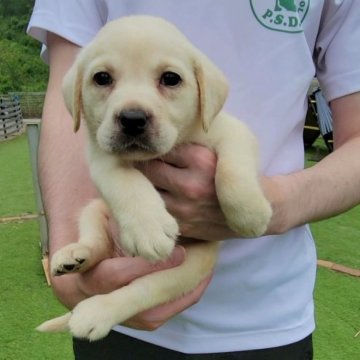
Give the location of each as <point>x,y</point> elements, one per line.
<point>142,89</point>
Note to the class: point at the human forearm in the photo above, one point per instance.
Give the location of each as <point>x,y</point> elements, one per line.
<point>64,178</point>
<point>328,188</point>
<point>65,188</point>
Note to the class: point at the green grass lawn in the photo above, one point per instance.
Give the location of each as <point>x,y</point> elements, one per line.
<point>26,300</point>
<point>16,192</point>
<point>337,296</point>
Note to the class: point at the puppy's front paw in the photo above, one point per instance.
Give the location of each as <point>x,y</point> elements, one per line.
<point>152,237</point>
<point>70,259</point>
<point>250,216</point>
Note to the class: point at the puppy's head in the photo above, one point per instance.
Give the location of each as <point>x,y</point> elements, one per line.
<point>142,88</point>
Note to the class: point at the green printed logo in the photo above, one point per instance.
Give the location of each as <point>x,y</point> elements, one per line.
<point>281,15</point>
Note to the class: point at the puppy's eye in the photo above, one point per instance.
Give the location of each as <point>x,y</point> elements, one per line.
<point>170,79</point>
<point>103,78</point>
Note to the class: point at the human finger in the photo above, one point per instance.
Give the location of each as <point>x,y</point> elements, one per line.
<point>154,318</point>
<point>111,274</point>
<point>185,155</point>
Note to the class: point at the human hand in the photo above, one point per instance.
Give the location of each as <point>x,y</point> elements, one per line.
<point>185,180</point>
<point>154,318</point>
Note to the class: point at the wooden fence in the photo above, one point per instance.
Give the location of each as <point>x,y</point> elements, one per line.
<point>11,121</point>
<point>31,103</point>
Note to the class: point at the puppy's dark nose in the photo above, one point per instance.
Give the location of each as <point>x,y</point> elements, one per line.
<point>133,122</point>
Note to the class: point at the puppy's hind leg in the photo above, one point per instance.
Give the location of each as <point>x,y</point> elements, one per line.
<point>93,318</point>
<point>93,245</point>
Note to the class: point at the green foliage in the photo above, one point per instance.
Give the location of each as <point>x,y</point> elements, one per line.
<point>15,7</point>
<point>21,68</point>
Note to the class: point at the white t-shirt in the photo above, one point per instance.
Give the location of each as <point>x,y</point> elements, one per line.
<point>261,293</point>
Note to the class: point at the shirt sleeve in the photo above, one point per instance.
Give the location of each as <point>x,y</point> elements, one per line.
<point>337,50</point>
<point>75,20</point>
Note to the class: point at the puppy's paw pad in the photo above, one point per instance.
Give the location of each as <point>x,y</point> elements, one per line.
<point>70,259</point>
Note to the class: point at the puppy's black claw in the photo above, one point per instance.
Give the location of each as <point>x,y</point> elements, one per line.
<point>89,333</point>
<point>80,261</point>
<point>69,267</point>
<point>59,273</point>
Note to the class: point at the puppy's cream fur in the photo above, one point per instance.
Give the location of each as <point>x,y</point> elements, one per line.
<point>136,52</point>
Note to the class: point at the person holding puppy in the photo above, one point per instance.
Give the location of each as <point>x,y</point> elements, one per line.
<point>258,304</point>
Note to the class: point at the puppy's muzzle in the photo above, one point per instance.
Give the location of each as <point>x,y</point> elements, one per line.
<point>134,122</point>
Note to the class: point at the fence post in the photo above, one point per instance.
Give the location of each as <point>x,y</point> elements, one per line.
<point>33,132</point>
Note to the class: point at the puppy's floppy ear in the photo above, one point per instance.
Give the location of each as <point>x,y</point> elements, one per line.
<point>213,89</point>
<point>72,92</point>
